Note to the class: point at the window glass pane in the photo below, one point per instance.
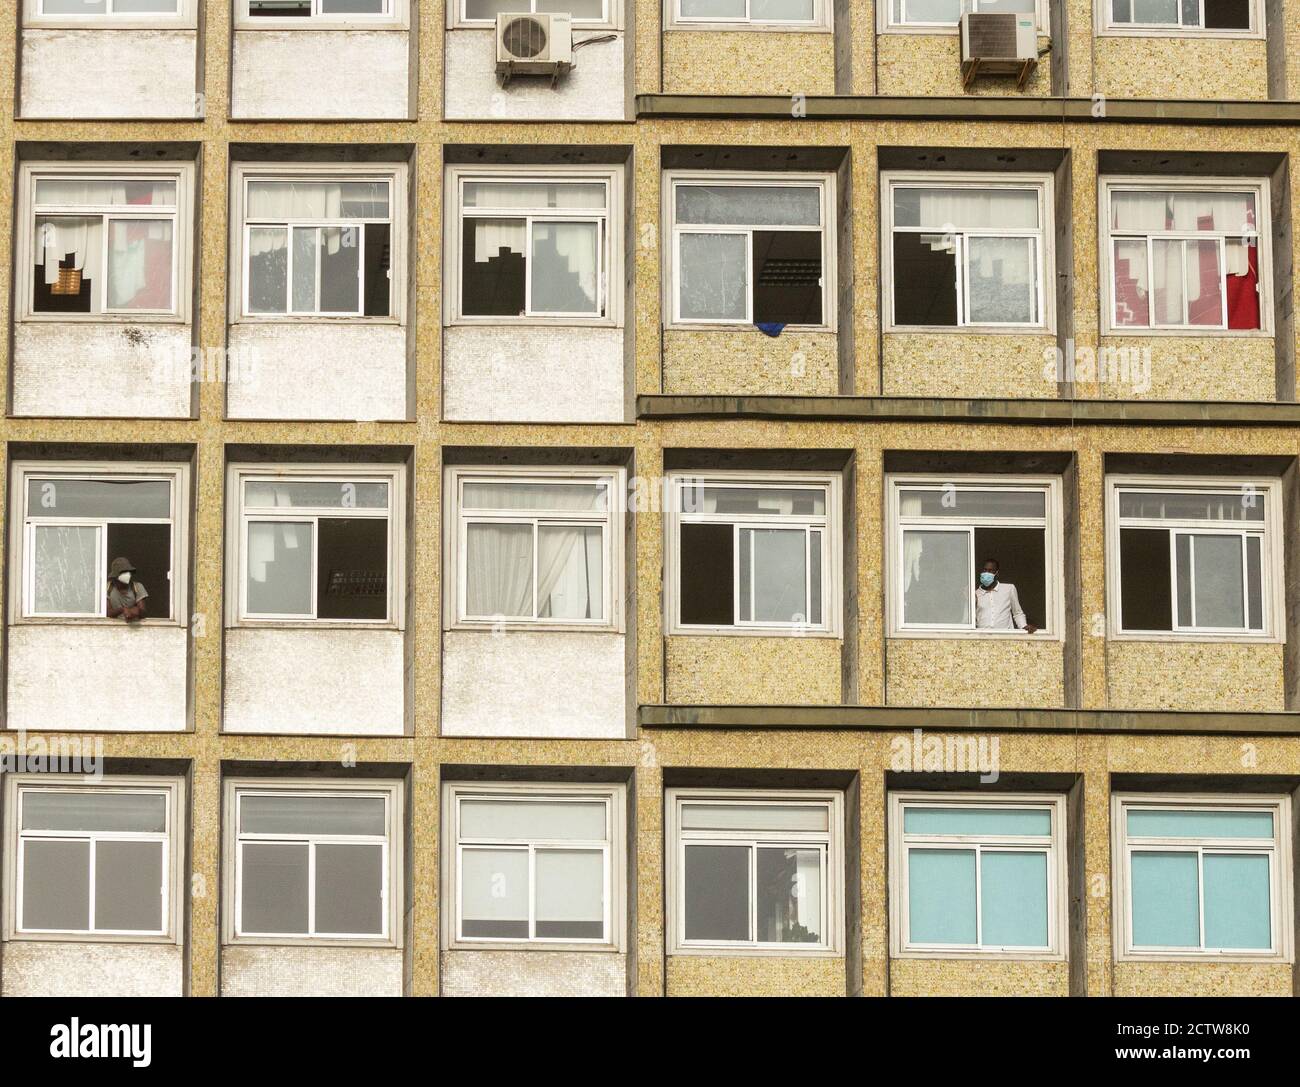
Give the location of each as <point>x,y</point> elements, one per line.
<point>757,818</point>
<point>570,573</point>
<point>1013,899</point>
<point>1002,280</point>
<point>1168,292</point>
<point>941,896</point>
<point>305,241</point>
<point>96,810</point>
<point>517,495</point>
<point>331,494</point>
<point>1166,906</point>
<point>968,502</point>
<point>713,277</point>
<point>925,279</point>
<point>1145,597</point>
<point>282,200</point>
<point>749,205</point>
<point>1228,14</point>
<point>937,577</point>
<point>92,192</point>
<point>789,896</point>
<point>1163,823</point>
<point>537,195</point>
<point>165,7</point>
<point>378,270</point>
<point>1254,584</point>
<point>340,269</point>
<point>1228,212</point>
<point>268,269</point>
<point>268,813</point>
<point>570,894</point>
<point>533,820</point>
<point>56,496</point>
<point>489,9</point>
<point>1244,504</point>
<point>773,572</point>
<point>349,889</point>
<point>1237,910</point>
<point>788,11</point>
<point>1132,284</point>
<point>352,7</point>
<point>1155,11</point>
<point>274,878</point>
<point>74,7</point>
<point>499,570</point>
<point>69,252</point>
<point>713,9</point>
<point>352,568</point>
<point>128,886</point>
<point>960,208</point>
<point>279,568</point>
<point>566,268</point>
<point>755,501</point>
<point>994,822</point>
<point>1016,7</point>
<point>140,264</point>
<point>1204,284</point>
<point>1183,578</point>
<point>1216,574</point>
<point>926,11</point>
<point>67,577</point>
<point>705,591</point>
<point>716,892</point>
<point>815,576</point>
<point>56,885</point>
<point>787,276</point>
<point>493,267</point>
<point>494,893</point>
<point>300,8</point>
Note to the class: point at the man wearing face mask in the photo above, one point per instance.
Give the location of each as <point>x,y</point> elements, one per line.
<point>997,607</point>
<point>125,595</point>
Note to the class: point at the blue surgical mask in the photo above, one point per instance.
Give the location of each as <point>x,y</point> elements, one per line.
<point>987,579</point>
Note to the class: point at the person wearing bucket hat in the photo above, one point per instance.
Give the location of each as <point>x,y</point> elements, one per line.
<point>125,595</point>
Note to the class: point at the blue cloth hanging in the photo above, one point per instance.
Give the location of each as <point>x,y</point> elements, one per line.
<point>770,328</point>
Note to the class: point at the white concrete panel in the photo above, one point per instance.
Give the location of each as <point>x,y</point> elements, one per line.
<point>314,682</point>
<point>122,677</point>
<point>533,973</point>
<point>62,968</point>
<point>303,370</point>
<point>248,970</point>
<point>553,684</point>
<point>533,374</point>
<point>325,75</point>
<point>102,369</point>
<point>109,74</point>
<point>595,90</point>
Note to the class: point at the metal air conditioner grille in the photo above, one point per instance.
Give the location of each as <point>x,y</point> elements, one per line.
<point>992,35</point>
<point>525,38</point>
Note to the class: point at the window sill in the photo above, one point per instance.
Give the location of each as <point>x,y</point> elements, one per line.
<point>466,627</point>
<point>1159,32</point>
<point>741,326</point>
<point>952,30</point>
<point>1266,958</point>
<point>301,624</point>
<point>153,22</point>
<point>254,321</point>
<point>104,319</point>
<point>90,938</point>
<point>968,955</point>
<point>752,632</point>
<point>533,322</point>
<point>595,947</point>
<point>757,28</point>
<point>1040,331</point>
<point>978,635</point>
<point>791,952</point>
<point>104,621</point>
<point>1242,639</point>
<point>1187,333</point>
<point>321,25</point>
<point>577,25</point>
<point>307,941</point>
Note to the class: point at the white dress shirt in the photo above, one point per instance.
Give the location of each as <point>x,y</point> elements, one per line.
<point>999,607</point>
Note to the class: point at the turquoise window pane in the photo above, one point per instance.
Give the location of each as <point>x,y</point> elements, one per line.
<point>1236,901</point>
<point>993,821</point>
<point>1013,899</point>
<point>1146,823</point>
<point>941,896</point>
<point>1166,909</point>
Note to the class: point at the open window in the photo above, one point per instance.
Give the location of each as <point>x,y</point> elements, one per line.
<point>1210,17</point>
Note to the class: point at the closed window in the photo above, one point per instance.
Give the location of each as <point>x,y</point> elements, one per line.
<point>978,876</point>
<point>581,12</point>
<point>536,865</point>
<point>78,521</point>
<point>314,862</point>
<point>127,9</point>
<point>93,859</point>
<point>534,245</point>
<point>751,250</point>
<point>964,251</point>
<point>754,871</point>
<point>948,533</point>
<point>793,13</point>
<point>754,553</point>
<point>318,545</point>
<point>1202,876</point>
<point>930,14</point>
<point>312,12</point>
<point>1186,257</point>
<point>539,548</point>
<point>1237,16</point>
<point>1195,558</point>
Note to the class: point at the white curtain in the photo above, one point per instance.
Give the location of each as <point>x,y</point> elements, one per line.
<point>534,196</point>
<point>499,570</point>
<point>912,543</point>
<point>493,235</point>
<point>311,200</point>
<point>75,192</point>
<point>83,237</point>
<point>265,542</point>
<point>966,209</point>
<point>569,573</point>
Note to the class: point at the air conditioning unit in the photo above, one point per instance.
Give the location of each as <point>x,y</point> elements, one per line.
<point>533,44</point>
<point>998,43</point>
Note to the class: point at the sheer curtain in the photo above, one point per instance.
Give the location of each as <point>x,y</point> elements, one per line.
<point>57,236</point>
<point>967,209</point>
<point>274,200</point>
<point>912,544</point>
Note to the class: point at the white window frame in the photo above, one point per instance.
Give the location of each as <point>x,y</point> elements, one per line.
<point>1272,543</point>
<point>456,19</point>
<point>1058,899</point>
<point>393,893</point>
<point>1257,187</point>
<point>181,174</point>
<point>830,526</point>
<point>824,183</point>
<point>396,17</point>
<point>885,23</point>
<point>1044,234</point>
<point>1280,877</point>
<point>1105,25</point>
<point>1053,625</point>
<point>611,249</point>
<point>21,527</point>
<point>830,842</point>
<point>456,520</point>
<point>615,847</point>
<point>184,18</point>
<point>237,475</point>
<point>393,173</point>
<point>822,20</point>
<point>172,840</point>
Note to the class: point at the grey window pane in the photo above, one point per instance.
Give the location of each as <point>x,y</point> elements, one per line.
<point>533,820</point>
<point>262,813</point>
<point>1002,280</point>
<point>499,570</point>
<point>164,7</point>
<point>340,494</point>
<point>781,11</point>
<point>74,7</point>
<point>1016,7</point>
<point>755,817</point>
<point>1167,288</point>
<point>579,9</point>
<point>268,269</point>
<point>56,885</point>
<point>67,578</point>
<point>275,891</point>
<point>749,205</point>
<point>340,269</point>
<point>140,264</point>
<point>1204,284</point>
<point>352,7</point>
<point>490,9</point>
<point>968,502</point>
<point>1216,573</point>
<point>789,896</point>
<point>937,577</point>
<point>494,893</point>
<point>713,277</point>
<point>713,9</point>
<point>279,568</point>
<point>755,501</point>
<point>93,810</point>
<point>304,269</point>
<point>1245,504</point>
<point>570,894</point>
<point>1254,584</point>
<point>815,576</point>
<point>565,268</point>
<point>128,886</point>
<point>349,889</point>
<point>775,560</point>
<point>926,11</point>
<point>53,496</point>
<point>1183,577</point>
<point>716,886</point>
<point>1155,11</point>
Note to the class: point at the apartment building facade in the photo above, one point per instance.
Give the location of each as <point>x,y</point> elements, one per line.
<point>553,505</point>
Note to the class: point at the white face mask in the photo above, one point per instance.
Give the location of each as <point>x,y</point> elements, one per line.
<point>125,578</point>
